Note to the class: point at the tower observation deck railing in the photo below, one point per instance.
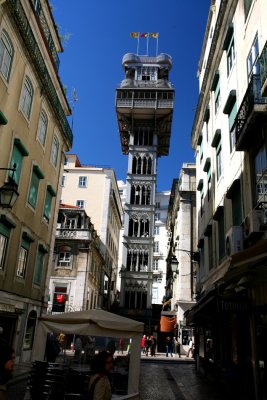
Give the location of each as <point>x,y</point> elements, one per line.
<point>132,103</point>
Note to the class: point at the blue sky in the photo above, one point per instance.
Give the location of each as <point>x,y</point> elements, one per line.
<point>99,36</point>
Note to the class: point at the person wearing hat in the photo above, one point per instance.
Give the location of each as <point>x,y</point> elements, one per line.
<point>7,363</point>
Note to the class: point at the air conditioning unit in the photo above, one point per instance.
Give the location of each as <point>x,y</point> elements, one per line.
<point>254,223</point>
<point>234,240</point>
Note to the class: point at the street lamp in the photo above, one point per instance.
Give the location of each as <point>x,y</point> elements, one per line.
<point>174,264</point>
<point>9,192</point>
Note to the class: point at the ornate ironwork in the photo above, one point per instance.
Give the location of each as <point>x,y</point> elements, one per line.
<point>45,28</point>
<point>263,65</point>
<point>252,97</point>
<point>35,54</point>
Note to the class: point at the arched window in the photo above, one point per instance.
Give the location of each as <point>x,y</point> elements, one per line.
<point>134,166</point>
<point>42,128</point>
<point>139,166</point>
<point>145,165</point>
<point>27,97</point>
<point>149,166</point>
<point>6,55</point>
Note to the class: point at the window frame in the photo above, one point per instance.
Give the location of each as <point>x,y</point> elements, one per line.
<point>3,250</point>
<point>42,128</point>
<point>83,181</point>
<point>26,99</point>
<point>36,176</point>
<point>8,51</point>
<point>54,151</point>
<point>79,205</point>
<point>253,55</point>
<point>23,259</point>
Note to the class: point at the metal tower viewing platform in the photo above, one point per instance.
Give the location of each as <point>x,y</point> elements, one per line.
<point>146,96</point>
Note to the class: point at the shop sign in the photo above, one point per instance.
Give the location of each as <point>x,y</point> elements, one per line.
<point>233,306</point>
<point>7,308</point>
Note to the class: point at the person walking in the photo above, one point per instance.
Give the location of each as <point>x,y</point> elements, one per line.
<point>190,348</point>
<point>168,346</point>
<point>99,384</point>
<point>177,346</point>
<point>153,346</point>
<point>7,363</point>
<point>143,344</point>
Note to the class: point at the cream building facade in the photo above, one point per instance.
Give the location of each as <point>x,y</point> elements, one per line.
<point>95,190</point>
<point>229,136</point>
<point>34,135</point>
<point>77,273</point>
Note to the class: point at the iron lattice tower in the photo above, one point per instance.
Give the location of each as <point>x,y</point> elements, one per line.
<point>144,106</point>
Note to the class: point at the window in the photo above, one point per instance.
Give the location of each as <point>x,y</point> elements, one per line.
<point>156,247</point>
<point>219,160</point>
<point>155,265</point>
<point>34,186</point>
<point>5,228</point>
<point>260,174</point>
<point>216,89</point>
<point>230,108</point>
<point>230,56</point>
<point>50,193</point>
<point>253,63</point>
<point>209,184</point>
<point>156,230</point>
<point>39,266</point>
<point>42,128</point>
<point>59,298</point>
<point>3,249</point>
<point>63,180</point>
<point>26,97</point>
<point>157,216</point>
<point>82,181</point>
<point>154,295</point>
<point>157,204</point>
<point>200,143</point>
<point>6,55</point>
<point>64,259</point>
<point>19,151</point>
<point>202,202</point>
<point>247,5</point>
<point>229,47</point>
<point>80,203</point>
<point>54,151</point>
<point>23,256</point>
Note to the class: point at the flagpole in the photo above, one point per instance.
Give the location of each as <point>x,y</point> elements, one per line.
<point>138,43</point>
<point>147,38</point>
<point>157,45</point>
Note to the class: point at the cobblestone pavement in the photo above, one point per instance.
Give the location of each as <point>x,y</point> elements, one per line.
<point>175,381</point>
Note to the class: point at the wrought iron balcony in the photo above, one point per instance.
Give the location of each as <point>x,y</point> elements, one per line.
<point>263,70</point>
<point>251,111</point>
<point>21,20</point>
<point>46,31</point>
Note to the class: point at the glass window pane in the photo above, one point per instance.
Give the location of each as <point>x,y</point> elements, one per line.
<point>32,199</point>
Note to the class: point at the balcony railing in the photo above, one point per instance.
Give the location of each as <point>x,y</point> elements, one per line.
<point>35,54</point>
<point>142,103</point>
<point>45,28</point>
<point>263,70</point>
<point>251,103</point>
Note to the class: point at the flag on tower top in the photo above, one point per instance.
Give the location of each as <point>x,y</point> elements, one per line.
<point>144,35</point>
<point>134,35</point>
<point>154,35</point>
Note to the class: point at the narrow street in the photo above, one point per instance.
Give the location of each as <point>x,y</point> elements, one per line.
<point>170,380</point>
<point>159,379</point>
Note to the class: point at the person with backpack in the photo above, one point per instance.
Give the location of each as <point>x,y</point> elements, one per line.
<point>99,384</point>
